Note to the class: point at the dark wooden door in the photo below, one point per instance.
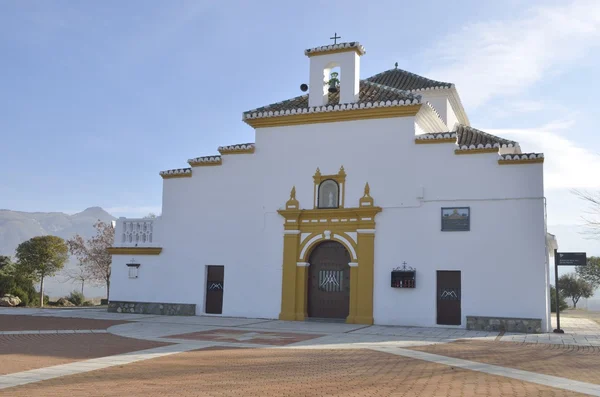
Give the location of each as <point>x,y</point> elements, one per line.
<point>448,297</point>
<point>329,281</point>
<point>214,289</point>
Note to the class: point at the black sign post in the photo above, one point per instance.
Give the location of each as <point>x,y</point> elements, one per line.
<point>565,259</point>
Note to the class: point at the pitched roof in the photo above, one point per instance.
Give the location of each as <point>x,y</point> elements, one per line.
<point>369,92</point>
<point>403,80</point>
<point>468,136</point>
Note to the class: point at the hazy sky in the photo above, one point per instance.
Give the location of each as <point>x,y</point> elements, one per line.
<point>97,97</point>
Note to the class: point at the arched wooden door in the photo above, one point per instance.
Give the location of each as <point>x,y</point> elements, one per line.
<point>329,281</point>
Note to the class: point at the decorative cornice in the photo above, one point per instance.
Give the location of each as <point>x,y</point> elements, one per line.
<point>365,231</point>
<point>440,137</point>
<point>134,250</point>
<point>476,151</point>
<point>332,49</point>
<point>481,148</point>
<point>331,113</point>
<point>523,158</point>
<point>177,173</point>
<point>239,148</point>
<point>293,232</point>
<point>205,161</point>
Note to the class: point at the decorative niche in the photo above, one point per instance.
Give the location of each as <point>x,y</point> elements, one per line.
<point>404,277</point>
<point>329,190</point>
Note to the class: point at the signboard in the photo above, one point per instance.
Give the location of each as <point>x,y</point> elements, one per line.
<point>456,219</point>
<point>571,259</point>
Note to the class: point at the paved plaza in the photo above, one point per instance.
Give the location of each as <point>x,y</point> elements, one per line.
<point>89,352</point>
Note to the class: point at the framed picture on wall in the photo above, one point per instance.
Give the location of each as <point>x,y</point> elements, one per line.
<point>456,219</point>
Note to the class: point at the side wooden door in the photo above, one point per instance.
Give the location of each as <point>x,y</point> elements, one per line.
<point>214,289</point>
<point>448,297</point>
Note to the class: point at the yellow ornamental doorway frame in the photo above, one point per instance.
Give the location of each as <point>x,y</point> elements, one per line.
<point>304,229</point>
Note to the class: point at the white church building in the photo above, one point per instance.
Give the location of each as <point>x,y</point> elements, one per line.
<point>366,200</point>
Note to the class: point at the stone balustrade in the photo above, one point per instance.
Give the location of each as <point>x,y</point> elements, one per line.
<point>131,232</point>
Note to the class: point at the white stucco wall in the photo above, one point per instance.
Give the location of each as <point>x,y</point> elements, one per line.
<point>226,215</point>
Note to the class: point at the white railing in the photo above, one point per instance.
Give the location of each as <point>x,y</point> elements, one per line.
<point>135,232</point>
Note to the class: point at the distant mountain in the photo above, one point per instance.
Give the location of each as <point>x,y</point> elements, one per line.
<point>17,226</point>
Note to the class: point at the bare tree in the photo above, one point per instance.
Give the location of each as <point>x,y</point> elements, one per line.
<point>93,253</point>
<point>80,274</point>
<point>592,219</point>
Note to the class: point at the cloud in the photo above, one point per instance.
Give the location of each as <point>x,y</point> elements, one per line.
<point>497,58</point>
<point>566,164</point>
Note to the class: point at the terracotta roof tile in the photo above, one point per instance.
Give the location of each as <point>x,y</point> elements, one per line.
<point>468,136</point>
<point>401,79</point>
<point>369,92</point>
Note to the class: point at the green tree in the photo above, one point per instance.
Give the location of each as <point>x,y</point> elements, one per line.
<point>41,257</point>
<point>571,286</point>
<point>591,272</point>
<point>5,262</point>
<point>14,283</point>
<point>562,303</point>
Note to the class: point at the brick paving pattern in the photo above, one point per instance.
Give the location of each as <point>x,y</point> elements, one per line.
<point>283,372</point>
<point>27,323</point>
<point>26,352</point>
<point>241,336</point>
<point>580,363</point>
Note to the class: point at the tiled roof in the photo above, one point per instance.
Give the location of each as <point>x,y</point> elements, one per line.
<point>532,157</point>
<point>369,92</point>
<point>403,80</point>
<point>176,172</point>
<point>469,137</point>
<point>436,136</point>
<point>337,47</point>
<point>237,148</point>
<point>205,160</point>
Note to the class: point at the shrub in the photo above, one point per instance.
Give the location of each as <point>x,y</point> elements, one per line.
<point>76,298</point>
<point>35,300</point>
<point>87,303</point>
<point>562,303</point>
<point>23,295</point>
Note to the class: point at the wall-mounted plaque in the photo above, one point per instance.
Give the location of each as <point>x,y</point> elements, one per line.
<point>456,219</point>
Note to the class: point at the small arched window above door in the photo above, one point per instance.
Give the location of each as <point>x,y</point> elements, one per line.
<point>329,194</point>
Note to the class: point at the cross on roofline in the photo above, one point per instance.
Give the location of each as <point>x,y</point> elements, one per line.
<point>335,37</point>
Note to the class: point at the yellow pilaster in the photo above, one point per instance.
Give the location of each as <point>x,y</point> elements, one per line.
<point>301,291</point>
<point>288,287</point>
<point>366,265</point>
<point>351,319</point>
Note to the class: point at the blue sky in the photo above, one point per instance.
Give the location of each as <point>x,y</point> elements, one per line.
<point>97,97</point>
